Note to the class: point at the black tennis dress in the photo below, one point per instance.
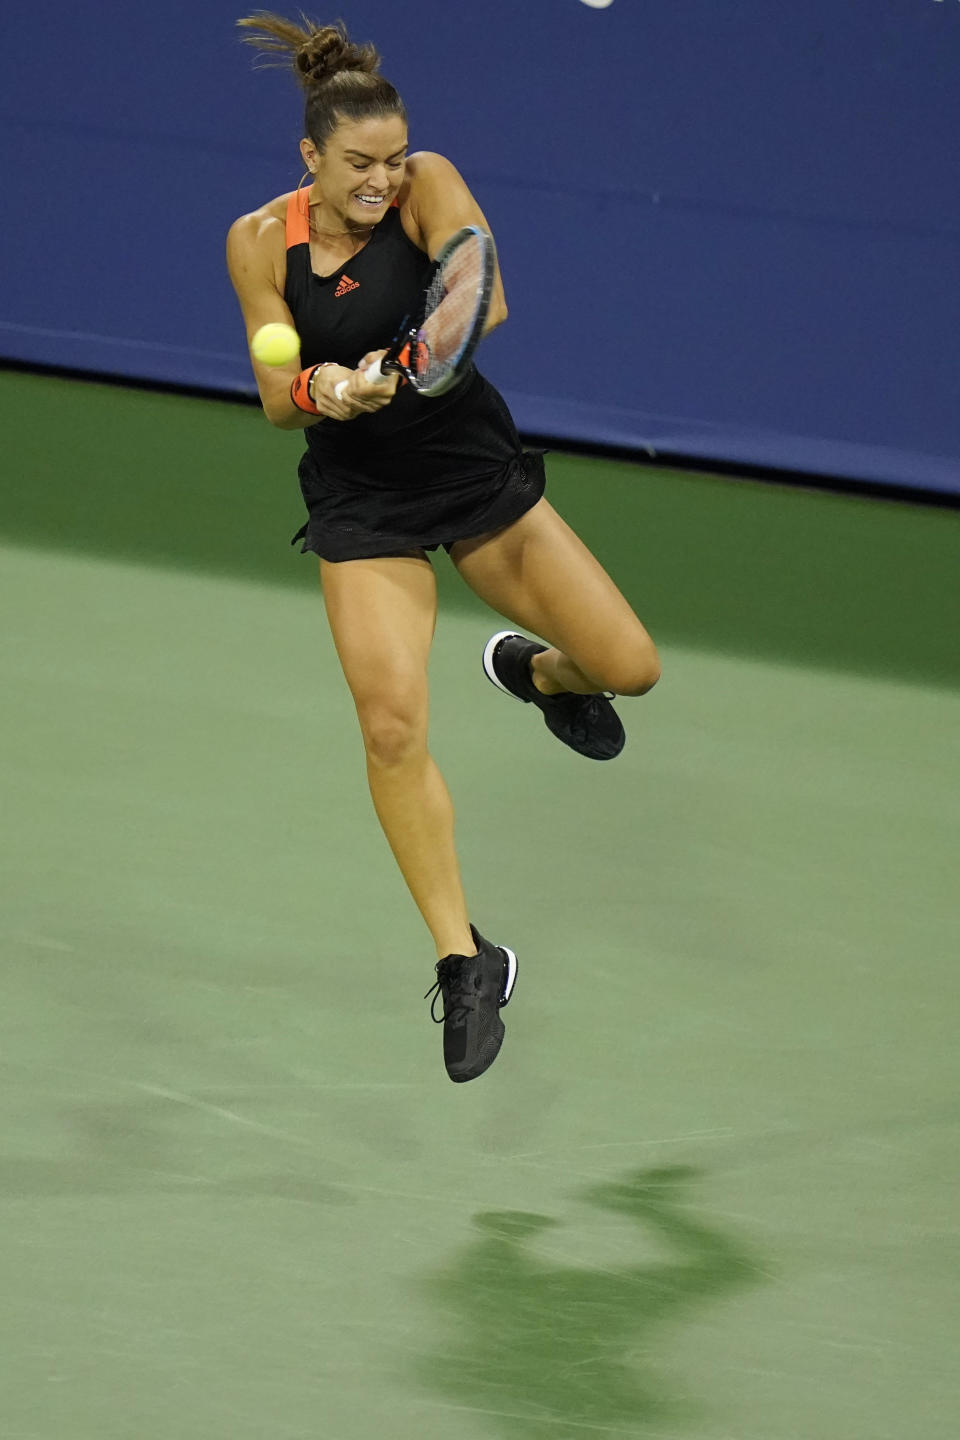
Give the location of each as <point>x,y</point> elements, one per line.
<point>420,472</point>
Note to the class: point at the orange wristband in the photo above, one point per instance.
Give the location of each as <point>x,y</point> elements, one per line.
<point>300,391</point>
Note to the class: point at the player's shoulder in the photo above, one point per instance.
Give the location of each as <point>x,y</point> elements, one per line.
<point>265,226</point>
<point>428,165</point>
<point>430,183</point>
<point>257,246</point>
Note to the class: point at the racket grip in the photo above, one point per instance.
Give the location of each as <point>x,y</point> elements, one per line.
<point>373,374</point>
<point>339,388</point>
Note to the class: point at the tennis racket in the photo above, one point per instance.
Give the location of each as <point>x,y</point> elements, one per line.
<point>432,352</point>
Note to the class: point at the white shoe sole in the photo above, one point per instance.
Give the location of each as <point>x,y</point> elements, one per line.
<point>489,671</point>
<point>511,958</point>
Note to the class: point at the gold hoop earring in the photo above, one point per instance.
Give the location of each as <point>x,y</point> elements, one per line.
<point>304,208</point>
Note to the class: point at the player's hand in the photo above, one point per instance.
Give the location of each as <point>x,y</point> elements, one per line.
<point>343,394</point>
<point>323,391</point>
<point>384,389</point>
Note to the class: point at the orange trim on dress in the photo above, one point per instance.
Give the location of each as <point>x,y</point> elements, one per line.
<point>298,219</point>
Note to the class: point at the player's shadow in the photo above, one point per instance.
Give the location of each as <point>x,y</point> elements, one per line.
<point>551,1351</point>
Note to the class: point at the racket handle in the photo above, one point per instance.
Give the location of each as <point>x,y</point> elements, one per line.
<point>374,374</point>
<point>339,388</point>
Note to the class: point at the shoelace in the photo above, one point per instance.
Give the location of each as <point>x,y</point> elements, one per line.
<point>587,714</point>
<point>449,972</point>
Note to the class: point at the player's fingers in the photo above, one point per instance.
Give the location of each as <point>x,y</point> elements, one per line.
<point>384,388</point>
<point>385,384</point>
<point>360,395</point>
<point>370,407</point>
<point>348,402</point>
<point>364,398</point>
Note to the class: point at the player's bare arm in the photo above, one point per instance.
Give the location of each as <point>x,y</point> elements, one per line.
<point>439,203</point>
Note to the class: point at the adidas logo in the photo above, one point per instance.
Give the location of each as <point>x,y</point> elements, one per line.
<point>345,286</point>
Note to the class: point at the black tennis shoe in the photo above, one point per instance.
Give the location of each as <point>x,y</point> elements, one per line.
<point>474,989</point>
<point>587,723</point>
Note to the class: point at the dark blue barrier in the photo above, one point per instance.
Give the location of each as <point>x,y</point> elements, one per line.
<point>729,231</point>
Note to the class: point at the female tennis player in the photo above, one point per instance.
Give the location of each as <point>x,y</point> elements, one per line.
<point>390,474</point>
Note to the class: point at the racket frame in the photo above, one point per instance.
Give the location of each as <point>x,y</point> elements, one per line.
<point>397,358</point>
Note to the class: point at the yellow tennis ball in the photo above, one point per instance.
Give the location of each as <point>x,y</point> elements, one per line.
<point>275,344</point>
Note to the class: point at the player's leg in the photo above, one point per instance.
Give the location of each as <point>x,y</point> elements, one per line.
<point>382,614</point>
<point>541,576</point>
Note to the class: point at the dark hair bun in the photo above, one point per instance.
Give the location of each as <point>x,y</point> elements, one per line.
<point>342,80</point>
<point>328,50</point>
<point>317,52</point>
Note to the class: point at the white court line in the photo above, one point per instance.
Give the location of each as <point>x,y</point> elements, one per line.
<point>563,1150</point>
<point>221,1113</point>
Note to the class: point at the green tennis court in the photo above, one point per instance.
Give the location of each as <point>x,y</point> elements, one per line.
<point>709,1189</point>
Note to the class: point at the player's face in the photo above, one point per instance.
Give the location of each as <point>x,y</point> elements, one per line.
<point>361,169</point>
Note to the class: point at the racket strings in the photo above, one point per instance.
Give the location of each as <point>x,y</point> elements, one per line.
<point>450,311</point>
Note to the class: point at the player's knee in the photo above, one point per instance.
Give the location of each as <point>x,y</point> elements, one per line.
<point>633,671</point>
<point>393,731</point>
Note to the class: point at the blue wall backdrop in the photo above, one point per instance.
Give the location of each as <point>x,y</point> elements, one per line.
<point>727,230</point>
